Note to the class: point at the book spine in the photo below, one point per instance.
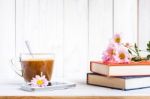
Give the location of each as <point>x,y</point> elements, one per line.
<point>87,81</point>
<point>87,78</point>
<point>91,66</point>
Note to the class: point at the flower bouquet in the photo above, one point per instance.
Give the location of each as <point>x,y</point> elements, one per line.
<point>119,52</point>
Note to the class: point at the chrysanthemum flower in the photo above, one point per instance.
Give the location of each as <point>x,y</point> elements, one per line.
<point>117,39</point>
<point>116,52</point>
<point>109,54</point>
<point>123,55</point>
<point>39,81</point>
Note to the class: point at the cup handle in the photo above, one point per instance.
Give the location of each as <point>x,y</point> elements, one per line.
<point>15,69</point>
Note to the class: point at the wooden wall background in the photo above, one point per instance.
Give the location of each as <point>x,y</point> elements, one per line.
<point>77,31</point>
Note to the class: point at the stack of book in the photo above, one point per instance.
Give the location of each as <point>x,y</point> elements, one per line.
<point>134,75</point>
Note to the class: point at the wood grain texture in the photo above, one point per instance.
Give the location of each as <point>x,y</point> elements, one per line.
<point>125,19</point>
<point>75,38</point>
<point>75,97</point>
<point>144,23</point>
<point>100,26</point>
<point>7,36</point>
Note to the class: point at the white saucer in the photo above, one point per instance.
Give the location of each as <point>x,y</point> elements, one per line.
<point>50,87</point>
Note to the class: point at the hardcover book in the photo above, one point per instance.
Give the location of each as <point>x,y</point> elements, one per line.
<point>124,83</point>
<point>115,69</point>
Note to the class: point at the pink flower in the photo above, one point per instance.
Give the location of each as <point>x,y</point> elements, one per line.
<point>117,38</point>
<point>123,55</point>
<point>109,54</point>
<point>39,81</point>
<point>128,45</point>
<point>116,52</point>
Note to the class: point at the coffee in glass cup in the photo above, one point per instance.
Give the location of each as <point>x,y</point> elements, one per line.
<point>36,64</point>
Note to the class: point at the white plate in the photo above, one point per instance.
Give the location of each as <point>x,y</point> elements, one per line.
<point>53,86</point>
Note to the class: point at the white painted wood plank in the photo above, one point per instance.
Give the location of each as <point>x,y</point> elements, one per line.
<point>100,26</point>
<point>144,23</point>
<point>7,38</point>
<point>75,38</point>
<point>40,22</point>
<point>125,19</point>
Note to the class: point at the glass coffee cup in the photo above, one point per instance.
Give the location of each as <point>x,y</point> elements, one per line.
<point>35,64</point>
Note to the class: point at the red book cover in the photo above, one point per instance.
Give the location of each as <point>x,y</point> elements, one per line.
<point>123,64</point>
<point>135,71</point>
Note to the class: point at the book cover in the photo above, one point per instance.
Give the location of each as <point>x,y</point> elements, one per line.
<point>123,69</point>
<point>123,83</point>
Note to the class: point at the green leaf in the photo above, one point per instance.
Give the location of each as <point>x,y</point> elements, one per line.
<point>148,43</point>
<point>129,51</point>
<point>136,59</point>
<point>148,57</point>
<point>135,45</point>
<point>136,49</point>
<point>148,46</point>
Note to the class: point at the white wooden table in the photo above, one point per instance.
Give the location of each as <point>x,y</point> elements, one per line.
<point>82,90</point>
